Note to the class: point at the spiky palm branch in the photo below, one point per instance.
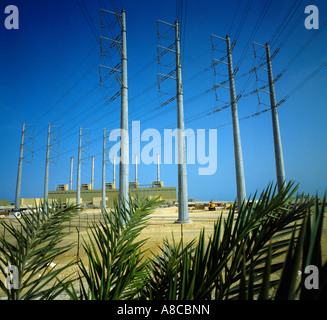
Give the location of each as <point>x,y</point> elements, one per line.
<point>162,278</point>
<point>114,268</point>
<point>36,241</point>
<point>240,256</point>
<point>305,252</point>
<point>279,232</point>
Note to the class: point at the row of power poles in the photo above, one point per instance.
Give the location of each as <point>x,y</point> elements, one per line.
<point>239,167</point>
<point>183,216</point>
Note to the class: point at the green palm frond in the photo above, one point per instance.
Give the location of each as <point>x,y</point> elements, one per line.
<point>36,241</point>
<point>253,253</point>
<point>162,281</point>
<point>240,255</point>
<point>114,268</point>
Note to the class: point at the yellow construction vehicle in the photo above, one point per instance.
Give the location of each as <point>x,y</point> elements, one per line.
<point>212,206</point>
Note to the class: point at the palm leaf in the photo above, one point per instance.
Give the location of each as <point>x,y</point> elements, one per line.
<point>114,266</point>
<point>38,242</point>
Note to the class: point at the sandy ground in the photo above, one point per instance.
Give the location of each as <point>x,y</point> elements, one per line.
<point>160,225</point>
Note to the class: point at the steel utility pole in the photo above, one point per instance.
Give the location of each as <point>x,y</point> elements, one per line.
<point>19,174</point>
<point>92,173</point>
<point>183,215</point>
<point>23,145</point>
<point>239,168</point>
<point>71,173</point>
<point>81,149</point>
<point>158,167</point>
<point>48,158</point>
<point>46,180</point>
<point>182,174</point>
<point>104,173</point>
<point>279,160</point>
<point>124,142</point>
<point>78,186</point>
<point>280,170</point>
<point>135,169</point>
<point>124,138</point>
<point>114,172</point>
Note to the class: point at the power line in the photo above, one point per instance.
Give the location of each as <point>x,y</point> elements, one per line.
<point>254,32</point>
<point>243,19</point>
<point>300,51</point>
<point>283,24</point>
<point>300,85</point>
<point>253,115</point>
<point>88,19</point>
<point>144,91</point>
<point>234,17</point>
<point>62,84</point>
<point>60,99</point>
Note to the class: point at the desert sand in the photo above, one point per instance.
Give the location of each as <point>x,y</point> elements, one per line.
<point>160,225</point>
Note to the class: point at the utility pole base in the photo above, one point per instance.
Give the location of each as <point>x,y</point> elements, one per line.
<point>183,221</point>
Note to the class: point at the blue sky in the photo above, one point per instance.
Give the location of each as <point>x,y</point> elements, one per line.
<point>50,74</point>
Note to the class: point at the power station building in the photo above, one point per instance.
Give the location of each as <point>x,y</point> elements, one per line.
<point>90,197</point>
<point>93,197</point>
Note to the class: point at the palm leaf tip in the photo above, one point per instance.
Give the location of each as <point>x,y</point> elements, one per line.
<point>38,239</point>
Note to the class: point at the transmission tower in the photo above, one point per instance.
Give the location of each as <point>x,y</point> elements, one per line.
<point>104,162</point>
<point>27,138</point>
<point>239,168</point>
<point>52,147</point>
<point>92,173</point>
<point>121,45</point>
<point>71,173</point>
<point>279,160</point>
<point>183,215</point>
<point>82,145</point>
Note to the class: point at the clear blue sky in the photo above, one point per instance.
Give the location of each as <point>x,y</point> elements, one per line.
<point>49,74</point>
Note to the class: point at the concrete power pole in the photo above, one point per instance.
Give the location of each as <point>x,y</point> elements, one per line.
<point>92,173</point>
<point>280,170</point>
<point>49,158</point>
<point>104,173</point>
<point>124,142</point>
<point>47,161</point>
<point>114,172</point>
<point>71,173</point>
<point>78,186</point>
<point>182,173</point>
<point>279,160</point>
<point>183,215</point>
<point>135,168</point>
<point>124,138</point>
<point>19,174</point>
<point>81,149</point>
<point>158,167</point>
<point>240,179</point>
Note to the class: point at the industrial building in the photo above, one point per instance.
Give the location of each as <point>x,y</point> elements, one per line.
<point>4,203</point>
<point>93,197</point>
<point>90,197</point>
